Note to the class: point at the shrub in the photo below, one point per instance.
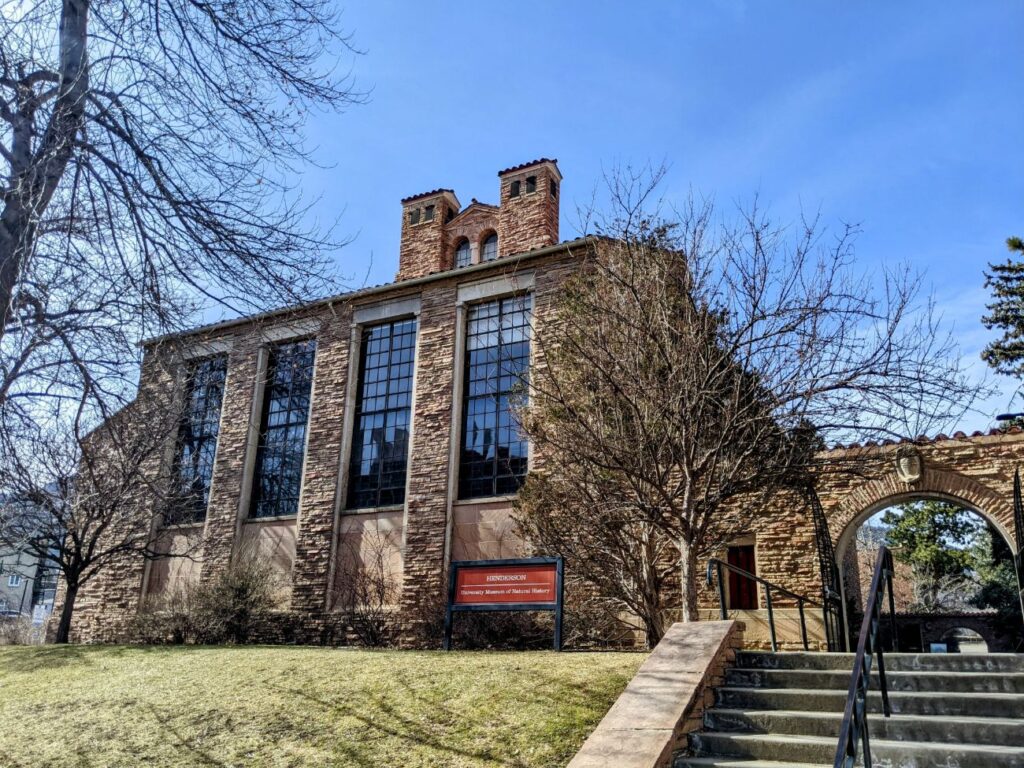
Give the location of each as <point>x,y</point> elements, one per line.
<point>223,609</point>
<point>19,630</point>
<point>370,587</point>
<point>226,608</point>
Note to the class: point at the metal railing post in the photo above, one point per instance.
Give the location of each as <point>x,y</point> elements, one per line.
<point>866,741</point>
<point>803,624</point>
<point>893,627</point>
<point>721,594</point>
<point>886,709</point>
<point>771,616</point>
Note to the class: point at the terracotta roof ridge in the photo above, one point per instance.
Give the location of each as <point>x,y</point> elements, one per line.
<point>942,437</point>
<point>521,166</point>
<point>431,193</point>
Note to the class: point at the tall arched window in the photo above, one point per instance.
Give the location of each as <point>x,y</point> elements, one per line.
<point>462,254</point>
<point>489,251</point>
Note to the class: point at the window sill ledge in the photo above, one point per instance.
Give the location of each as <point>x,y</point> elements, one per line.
<point>372,510</point>
<point>270,519</point>
<point>486,499</point>
<point>182,526</point>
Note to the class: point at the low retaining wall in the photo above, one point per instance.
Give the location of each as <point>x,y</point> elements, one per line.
<point>648,723</point>
<point>757,633</point>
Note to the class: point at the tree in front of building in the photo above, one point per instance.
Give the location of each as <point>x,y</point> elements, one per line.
<point>88,502</point>
<point>935,539</point>
<point>581,513</point>
<point>692,363</point>
<point>1006,312</point>
<point>147,161</point>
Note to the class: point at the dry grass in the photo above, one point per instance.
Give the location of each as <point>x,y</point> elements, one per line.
<point>286,706</point>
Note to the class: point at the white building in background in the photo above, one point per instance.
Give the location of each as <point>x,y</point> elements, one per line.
<point>27,585</point>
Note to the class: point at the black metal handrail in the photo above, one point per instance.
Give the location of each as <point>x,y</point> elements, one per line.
<point>716,565</point>
<point>831,590</point>
<point>1018,528</point>
<point>854,730</point>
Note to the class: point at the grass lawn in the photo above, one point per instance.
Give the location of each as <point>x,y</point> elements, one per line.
<point>285,706</point>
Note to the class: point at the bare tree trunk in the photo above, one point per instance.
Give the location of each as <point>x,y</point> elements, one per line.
<point>654,630</point>
<point>64,628</point>
<point>688,579</point>
<point>36,174</point>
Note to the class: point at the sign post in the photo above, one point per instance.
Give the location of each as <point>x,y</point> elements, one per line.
<point>525,584</point>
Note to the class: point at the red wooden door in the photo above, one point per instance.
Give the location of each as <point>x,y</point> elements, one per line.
<point>742,590</point>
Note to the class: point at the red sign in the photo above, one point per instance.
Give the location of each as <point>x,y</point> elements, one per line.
<point>496,584</point>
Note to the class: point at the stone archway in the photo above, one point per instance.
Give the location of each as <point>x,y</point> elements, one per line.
<point>875,495</point>
<point>933,484</point>
<point>973,471</point>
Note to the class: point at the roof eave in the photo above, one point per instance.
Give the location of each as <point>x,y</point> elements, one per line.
<point>212,328</point>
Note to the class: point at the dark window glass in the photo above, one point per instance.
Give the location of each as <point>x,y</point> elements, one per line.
<point>380,446</point>
<point>197,440</point>
<point>428,213</point>
<point>489,249</point>
<point>282,444</point>
<point>414,216</point>
<point>494,450</point>
<point>514,189</point>
<point>463,257</point>
<point>531,184</point>
<point>554,189</point>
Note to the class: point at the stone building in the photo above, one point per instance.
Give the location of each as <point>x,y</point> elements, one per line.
<point>365,441</point>
<point>365,436</point>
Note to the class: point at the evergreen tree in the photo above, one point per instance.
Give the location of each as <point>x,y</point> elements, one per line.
<point>1006,312</point>
<point>996,576</point>
<point>934,538</point>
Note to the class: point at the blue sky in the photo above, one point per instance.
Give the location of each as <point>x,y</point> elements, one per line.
<point>906,118</point>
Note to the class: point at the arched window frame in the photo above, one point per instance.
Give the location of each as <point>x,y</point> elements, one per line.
<point>463,248</point>
<point>489,238</point>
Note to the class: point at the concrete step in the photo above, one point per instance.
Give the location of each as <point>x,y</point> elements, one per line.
<point>739,762</point>
<point>829,679</point>
<point>1003,705</point>
<point>924,662</point>
<point>818,749</point>
<point>964,730</point>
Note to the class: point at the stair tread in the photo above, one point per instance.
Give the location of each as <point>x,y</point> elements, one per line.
<point>778,738</point>
<point>742,762</point>
<point>873,692</point>
<point>836,715</point>
<point>888,672</point>
<point>901,654</point>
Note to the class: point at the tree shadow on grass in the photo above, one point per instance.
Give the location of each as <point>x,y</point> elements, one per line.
<point>390,722</point>
<point>28,659</point>
<point>200,757</point>
<point>384,719</point>
<point>37,658</point>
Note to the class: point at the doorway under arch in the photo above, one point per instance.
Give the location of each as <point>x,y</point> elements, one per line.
<point>928,626</point>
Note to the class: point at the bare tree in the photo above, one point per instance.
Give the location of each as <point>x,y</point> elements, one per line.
<point>371,585</point>
<point>694,362</point>
<point>84,501</point>
<point>146,156</point>
<point>147,152</point>
<point>629,560</point>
